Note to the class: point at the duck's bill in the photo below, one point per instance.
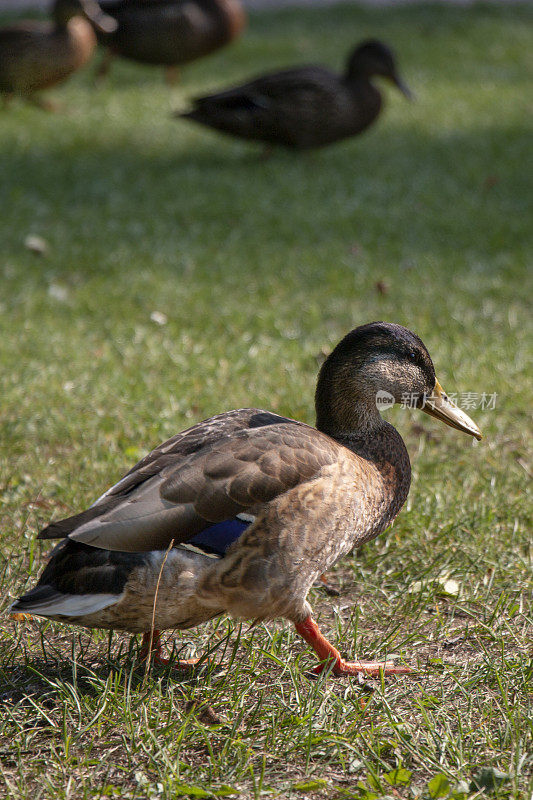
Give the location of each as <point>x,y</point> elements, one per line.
<point>441,407</point>
<point>397,81</point>
<point>101,21</point>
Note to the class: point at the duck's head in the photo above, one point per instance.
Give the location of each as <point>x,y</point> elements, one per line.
<point>377,365</point>
<point>375,58</point>
<point>65,10</point>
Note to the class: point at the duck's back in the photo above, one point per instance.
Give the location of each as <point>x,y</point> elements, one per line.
<point>171,32</point>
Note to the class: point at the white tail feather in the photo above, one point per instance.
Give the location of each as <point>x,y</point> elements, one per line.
<point>72,605</point>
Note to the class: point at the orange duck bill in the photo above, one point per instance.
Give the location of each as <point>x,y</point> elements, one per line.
<point>440,406</point>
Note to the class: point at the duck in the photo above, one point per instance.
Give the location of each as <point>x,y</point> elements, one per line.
<point>35,55</point>
<point>241,513</point>
<point>169,32</point>
<point>304,107</point>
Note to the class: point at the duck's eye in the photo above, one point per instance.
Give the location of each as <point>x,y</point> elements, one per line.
<point>412,355</point>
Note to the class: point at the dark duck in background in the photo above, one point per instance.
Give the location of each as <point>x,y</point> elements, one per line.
<point>305,107</point>
<point>169,33</point>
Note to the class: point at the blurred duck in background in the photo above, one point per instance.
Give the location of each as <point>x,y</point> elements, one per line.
<point>169,32</point>
<point>304,107</point>
<point>35,55</point>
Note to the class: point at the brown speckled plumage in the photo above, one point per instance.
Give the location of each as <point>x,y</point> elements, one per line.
<point>304,107</point>
<point>37,55</point>
<point>308,496</point>
<point>302,532</point>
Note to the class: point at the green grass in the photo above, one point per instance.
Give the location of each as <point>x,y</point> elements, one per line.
<point>259,266</point>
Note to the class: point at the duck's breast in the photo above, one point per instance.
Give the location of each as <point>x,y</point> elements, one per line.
<point>363,108</point>
<point>81,43</point>
<point>297,536</point>
<point>46,56</point>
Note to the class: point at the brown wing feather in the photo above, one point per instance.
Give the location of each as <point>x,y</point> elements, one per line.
<point>165,456</point>
<point>242,470</point>
<point>199,436</point>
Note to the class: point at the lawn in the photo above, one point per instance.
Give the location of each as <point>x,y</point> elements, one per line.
<point>185,276</point>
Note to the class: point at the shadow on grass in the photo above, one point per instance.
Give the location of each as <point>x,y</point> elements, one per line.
<point>427,191</point>
<point>88,670</point>
<point>49,681</point>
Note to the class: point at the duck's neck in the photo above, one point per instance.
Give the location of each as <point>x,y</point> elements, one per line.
<point>346,410</point>
<point>356,423</point>
<point>360,422</point>
<point>368,96</point>
<point>342,410</point>
<point>358,68</point>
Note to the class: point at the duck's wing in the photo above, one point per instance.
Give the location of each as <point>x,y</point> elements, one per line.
<point>285,107</point>
<point>204,434</point>
<point>170,452</point>
<point>274,87</point>
<point>208,474</point>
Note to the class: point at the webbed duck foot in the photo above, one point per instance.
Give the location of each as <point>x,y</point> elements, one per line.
<point>342,667</point>
<point>17,617</point>
<point>151,647</point>
<point>309,630</point>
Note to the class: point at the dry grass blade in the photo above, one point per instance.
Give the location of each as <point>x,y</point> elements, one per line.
<point>152,626</point>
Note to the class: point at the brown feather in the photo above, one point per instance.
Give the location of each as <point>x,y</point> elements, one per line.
<point>210,485</point>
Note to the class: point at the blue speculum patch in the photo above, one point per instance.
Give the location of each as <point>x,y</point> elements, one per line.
<point>218,537</point>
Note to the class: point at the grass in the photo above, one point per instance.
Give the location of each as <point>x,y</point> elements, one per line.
<point>257,267</point>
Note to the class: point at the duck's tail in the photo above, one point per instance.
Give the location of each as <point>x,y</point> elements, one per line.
<point>45,601</point>
<point>77,581</point>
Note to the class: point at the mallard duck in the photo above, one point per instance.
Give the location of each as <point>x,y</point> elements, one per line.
<point>242,512</point>
<point>170,32</point>
<point>304,107</point>
<point>37,55</point>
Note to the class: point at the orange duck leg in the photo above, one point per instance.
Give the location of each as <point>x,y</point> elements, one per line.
<point>309,630</point>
